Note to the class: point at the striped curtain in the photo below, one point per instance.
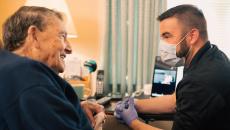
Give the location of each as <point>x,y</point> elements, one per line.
<point>130,43</point>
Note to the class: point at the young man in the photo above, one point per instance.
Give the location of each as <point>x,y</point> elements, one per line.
<point>202,98</point>
<point>32,95</point>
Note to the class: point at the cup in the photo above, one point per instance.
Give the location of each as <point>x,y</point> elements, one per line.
<point>147,89</point>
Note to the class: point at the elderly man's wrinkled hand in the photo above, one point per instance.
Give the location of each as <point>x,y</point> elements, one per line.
<point>90,109</point>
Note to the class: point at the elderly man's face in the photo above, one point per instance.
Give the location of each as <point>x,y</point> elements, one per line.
<point>54,45</point>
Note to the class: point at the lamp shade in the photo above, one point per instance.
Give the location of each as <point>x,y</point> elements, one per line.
<point>61,6</point>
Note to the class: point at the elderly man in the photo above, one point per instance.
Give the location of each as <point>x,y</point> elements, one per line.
<point>32,95</point>
<point>202,98</point>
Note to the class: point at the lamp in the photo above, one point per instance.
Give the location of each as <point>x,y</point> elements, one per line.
<point>61,6</point>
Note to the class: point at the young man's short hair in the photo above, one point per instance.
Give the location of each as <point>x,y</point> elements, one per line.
<point>190,16</point>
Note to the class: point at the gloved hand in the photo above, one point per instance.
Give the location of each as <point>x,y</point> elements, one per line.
<point>117,113</point>
<point>120,105</point>
<point>126,111</point>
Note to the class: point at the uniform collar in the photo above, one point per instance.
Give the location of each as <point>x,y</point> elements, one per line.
<point>199,54</point>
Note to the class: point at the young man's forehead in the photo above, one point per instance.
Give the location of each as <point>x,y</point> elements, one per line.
<point>170,26</point>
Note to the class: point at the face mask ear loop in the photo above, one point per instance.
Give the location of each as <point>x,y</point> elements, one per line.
<point>182,39</point>
<point>188,51</point>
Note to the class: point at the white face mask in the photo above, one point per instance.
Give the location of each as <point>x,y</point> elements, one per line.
<point>168,52</point>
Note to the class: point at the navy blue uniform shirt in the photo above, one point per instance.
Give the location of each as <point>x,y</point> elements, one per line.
<point>203,95</point>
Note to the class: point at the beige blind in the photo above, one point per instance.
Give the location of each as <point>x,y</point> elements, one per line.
<point>217,13</point>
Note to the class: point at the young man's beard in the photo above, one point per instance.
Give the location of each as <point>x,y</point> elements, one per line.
<point>184,49</point>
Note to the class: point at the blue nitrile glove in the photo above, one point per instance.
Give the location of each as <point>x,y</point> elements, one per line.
<point>118,109</point>
<point>126,111</point>
<point>119,106</point>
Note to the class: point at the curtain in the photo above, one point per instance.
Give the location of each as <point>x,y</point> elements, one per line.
<point>130,43</point>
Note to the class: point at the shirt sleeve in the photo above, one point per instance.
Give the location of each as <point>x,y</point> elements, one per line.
<point>42,109</point>
<point>195,106</point>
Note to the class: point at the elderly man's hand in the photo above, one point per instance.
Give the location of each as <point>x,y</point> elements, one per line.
<point>126,111</point>
<point>90,109</point>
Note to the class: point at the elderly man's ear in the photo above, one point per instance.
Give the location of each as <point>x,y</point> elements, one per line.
<point>32,36</point>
